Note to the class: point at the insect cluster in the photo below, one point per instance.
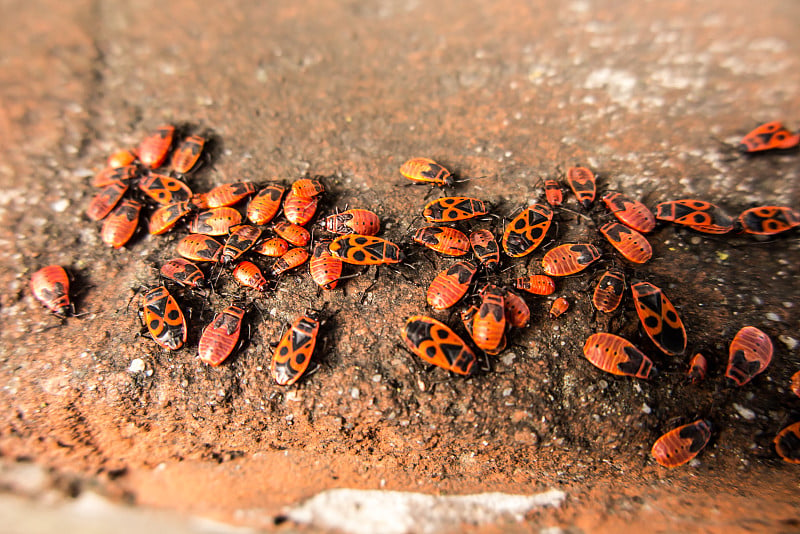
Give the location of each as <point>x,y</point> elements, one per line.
<point>151,180</point>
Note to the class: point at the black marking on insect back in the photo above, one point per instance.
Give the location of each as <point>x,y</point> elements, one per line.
<point>419,332</point>
<point>741,368</point>
<point>173,315</point>
<point>463,272</point>
<point>586,254</point>
<point>637,363</point>
<point>789,445</point>
<point>490,308</point>
<point>154,324</point>
<point>697,434</point>
<point>652,322</point>
<point>434,169</point>
<point>451,351</point>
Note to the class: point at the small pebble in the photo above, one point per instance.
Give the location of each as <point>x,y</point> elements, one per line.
<point>137,366</point>
<point>746,413</point>
<point>772,316</point>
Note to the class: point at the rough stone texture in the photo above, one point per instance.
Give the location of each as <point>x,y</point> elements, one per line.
<point>652,95</point>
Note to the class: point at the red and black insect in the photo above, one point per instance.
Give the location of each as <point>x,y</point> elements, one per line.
<point>299,210</point>
<point>200,247</point>
<point>552,192</point>
<point>166,217</point>
<point>631,244</point>
<point>659,318</point>
<point>365,250</point>
<point>325,268</point>
<point>120,226</point>
<point>443,239</point>
<point>630,212</point>
<point>293,233</point>
<point>768,220</point>
<point>221,336</point>
<point>536,284</point>
<point>110,175</point>
<point>183,272</point>
<point>187,154</point>
<point>489,324</point>
<point>241,239</point>
<point>697,214</point>
<point>50,286</point>
<point>787,443</point>
<point>749,354</point>
<point>164,189</point>
<point>274,247</point>
<point>795,383</point>
<point>294,257</point>
<point>570,258</point>
<point>527,230</point>
<point>450,285</point>
<point>450,209</point>
<point>617,355</point>
<point>354,221</point>
<point>698,367</point>
<point>437,344</point>
<point>768,136</point>
<point>104,201</point>
<point>560,305</point>
<point>164,318</point>
<point>485,248</point>
<point>122,157</point>
<point>154,148</point>
<point>424,170</point>
<point>215,221</point>
<point>265,205</point>
<point>609,290</point>
<point>307,187</point>
<point>293,353</point>
<point>199,201</point>
<point>248,274</point>
<point>582,182</point>
<point>229,194</point>
<point>680,445</point>
<point>518,314</point>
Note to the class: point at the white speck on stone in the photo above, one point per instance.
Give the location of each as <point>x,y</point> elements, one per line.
<point>508,358</point>
<point>376,378</point>
<point>787,304</point>
<point>772,316</point>
<point>137,366</point>
<point>746,413</point>
<point>790,342</point>
<point>507,392</point>
<point>397,512</point>
<point>355,393</point>
<point>646,409</point>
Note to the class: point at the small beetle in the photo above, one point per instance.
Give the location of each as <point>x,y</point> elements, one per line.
<point>325,268</point>
<point>767,137</point>
<point>583,183</point>
<point>299,210</point>
<point>443,239</point>
<point>293,258</point>
<point>166,217</point>
<point>354,221</point>
<point>365,250</point>
<point>749,354</point>
<point>241,239</point>
<point>215,221</point>
<point>165,189</point>
<point>517,312</point>
<point>186,155</point>
<point>104,201</point>
<point>681,444</point>
<point>552,192</point>
<point>200,247</point>
<point>617,355</point>
<point>631,244</point>
<point>697,214</point>
<point>293,233</point>
<point>154,148</point>
<point>450,285</point>
<point>660,319</point>
<point>424,170</point>
<point>630,212</point>
<point>450,209</point>
<point>697,368</point>
<point>489,324</point>
<point>293,353</point>
<point>307,187</point>
<point>570,258</point>
<point>220,337</point>
<point>50,286</point>
<point>183,272</point>
<point>265,205</point>
<point>560,305</point>
<point>120,226</point>
<point>164,318</point>
<point>768,220</point>
<point>609,291</point>
<point>274,247</point>
<point>485,248</point>
<point>537,284</point>
<point>527,230</point>
<point>229,194</point>
<point>248,274</point>
<point>437,344</point>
